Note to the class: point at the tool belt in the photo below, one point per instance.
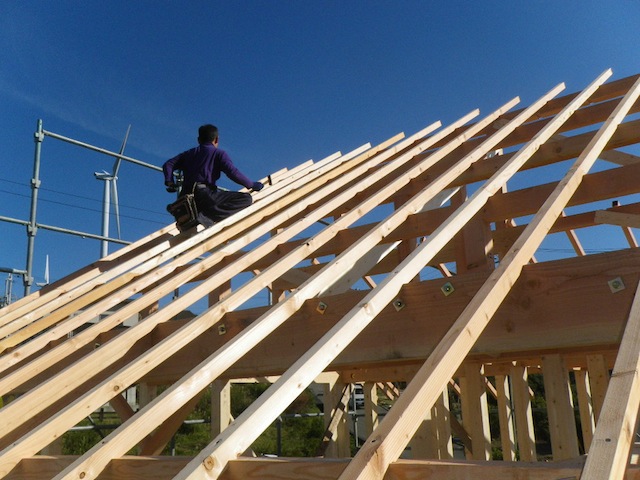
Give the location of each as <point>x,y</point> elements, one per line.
<point>185,212</point>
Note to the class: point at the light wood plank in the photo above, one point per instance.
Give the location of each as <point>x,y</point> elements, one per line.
<point>155,443</point>
<point>609,454</point>
<point>371,416</point>
<point>335,441</point>
<point>220,406</point>
<point>360,268</point>
<point>562,424</point>
<point>617,218</point>
<point>628,233</point>
<point>475,410</point>
<point>161,468</point>
<point>85,275</point>
<point>598,381</point>
<point>505,418</point>
<point>62,313</point>
<point>587,423</point>
<point>525,432</point>
<point>433,439</point>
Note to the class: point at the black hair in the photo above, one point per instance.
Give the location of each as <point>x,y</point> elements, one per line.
<point>207,133</point>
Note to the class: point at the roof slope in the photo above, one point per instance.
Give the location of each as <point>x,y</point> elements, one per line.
<point>346,242</point>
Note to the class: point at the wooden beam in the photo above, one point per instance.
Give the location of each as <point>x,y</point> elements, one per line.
<point>87,277</point>
<point>360,268</point>
<point>104,356</point>
<point>614,156</point>
<point>335,440</point>
<point>628,233</point>
<point>386,445</point>
<point>186,252</point>
<point>585,405</point>
<point>505,418</point>
<point>598,381</point>
<point>433,440</point>
<point>371,416</point>
<point>121,407</point>
<point>615,218</point>
<point>164,468</point>
<point>546,311</point>
<point>252,335</point>
<point>602,185</point>
<point>155,443</point>
<point>477,359</point>
<point>562,424</point>
<point>23,333</point>
<point>220,406</point>
<point>525,432</point>
<point>609,454</point>
<point>220,452</point>
<point>475,410</point>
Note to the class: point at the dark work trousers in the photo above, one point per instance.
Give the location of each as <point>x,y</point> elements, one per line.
<point>220,204</point>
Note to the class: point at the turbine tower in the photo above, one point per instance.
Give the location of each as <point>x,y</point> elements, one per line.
<point>110,190</point>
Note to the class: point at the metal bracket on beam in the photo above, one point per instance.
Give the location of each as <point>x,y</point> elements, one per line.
<point>321,308</point>
<point>616,285</point>
<point>398,304</point>
<point>447,289</point>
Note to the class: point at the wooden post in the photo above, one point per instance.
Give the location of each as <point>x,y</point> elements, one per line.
<point>505,417</point>
<point>474,242</point>
<point>220,406</point>
<point>475,410</point>
<point>433,438</point>
<point>335,406</point>
<point>370,407</point>
<point>524,417</point>
<point>598,381</point>
<point>587,423</point>
<point>562,423</point>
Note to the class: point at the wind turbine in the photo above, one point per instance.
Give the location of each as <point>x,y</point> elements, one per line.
<point>110,188</point>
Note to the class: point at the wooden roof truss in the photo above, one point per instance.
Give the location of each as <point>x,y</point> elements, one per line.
<point>342,246</point>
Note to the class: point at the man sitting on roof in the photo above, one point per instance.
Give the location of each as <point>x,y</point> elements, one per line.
<point>201,167</point>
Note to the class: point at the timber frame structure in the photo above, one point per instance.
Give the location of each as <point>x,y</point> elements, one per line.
<point>410,262</point>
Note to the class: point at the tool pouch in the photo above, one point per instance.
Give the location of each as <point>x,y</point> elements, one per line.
<point>184,211</point>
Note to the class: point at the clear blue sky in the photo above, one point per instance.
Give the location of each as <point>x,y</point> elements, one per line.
<point>286,81</point>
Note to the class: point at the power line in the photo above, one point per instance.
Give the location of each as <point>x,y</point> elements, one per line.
<point>80,197</point>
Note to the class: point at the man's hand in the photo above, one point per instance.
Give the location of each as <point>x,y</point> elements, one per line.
<point>257,186</point>
<point>171,187</point>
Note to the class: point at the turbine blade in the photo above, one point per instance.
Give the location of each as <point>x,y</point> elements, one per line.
<point>46,270</point>
<point>116,165</point>
<point>114,188</point>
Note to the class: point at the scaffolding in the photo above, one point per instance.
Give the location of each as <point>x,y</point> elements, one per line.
<point>32,224</point>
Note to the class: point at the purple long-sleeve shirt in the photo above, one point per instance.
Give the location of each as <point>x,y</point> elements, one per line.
<point>203,164</point>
